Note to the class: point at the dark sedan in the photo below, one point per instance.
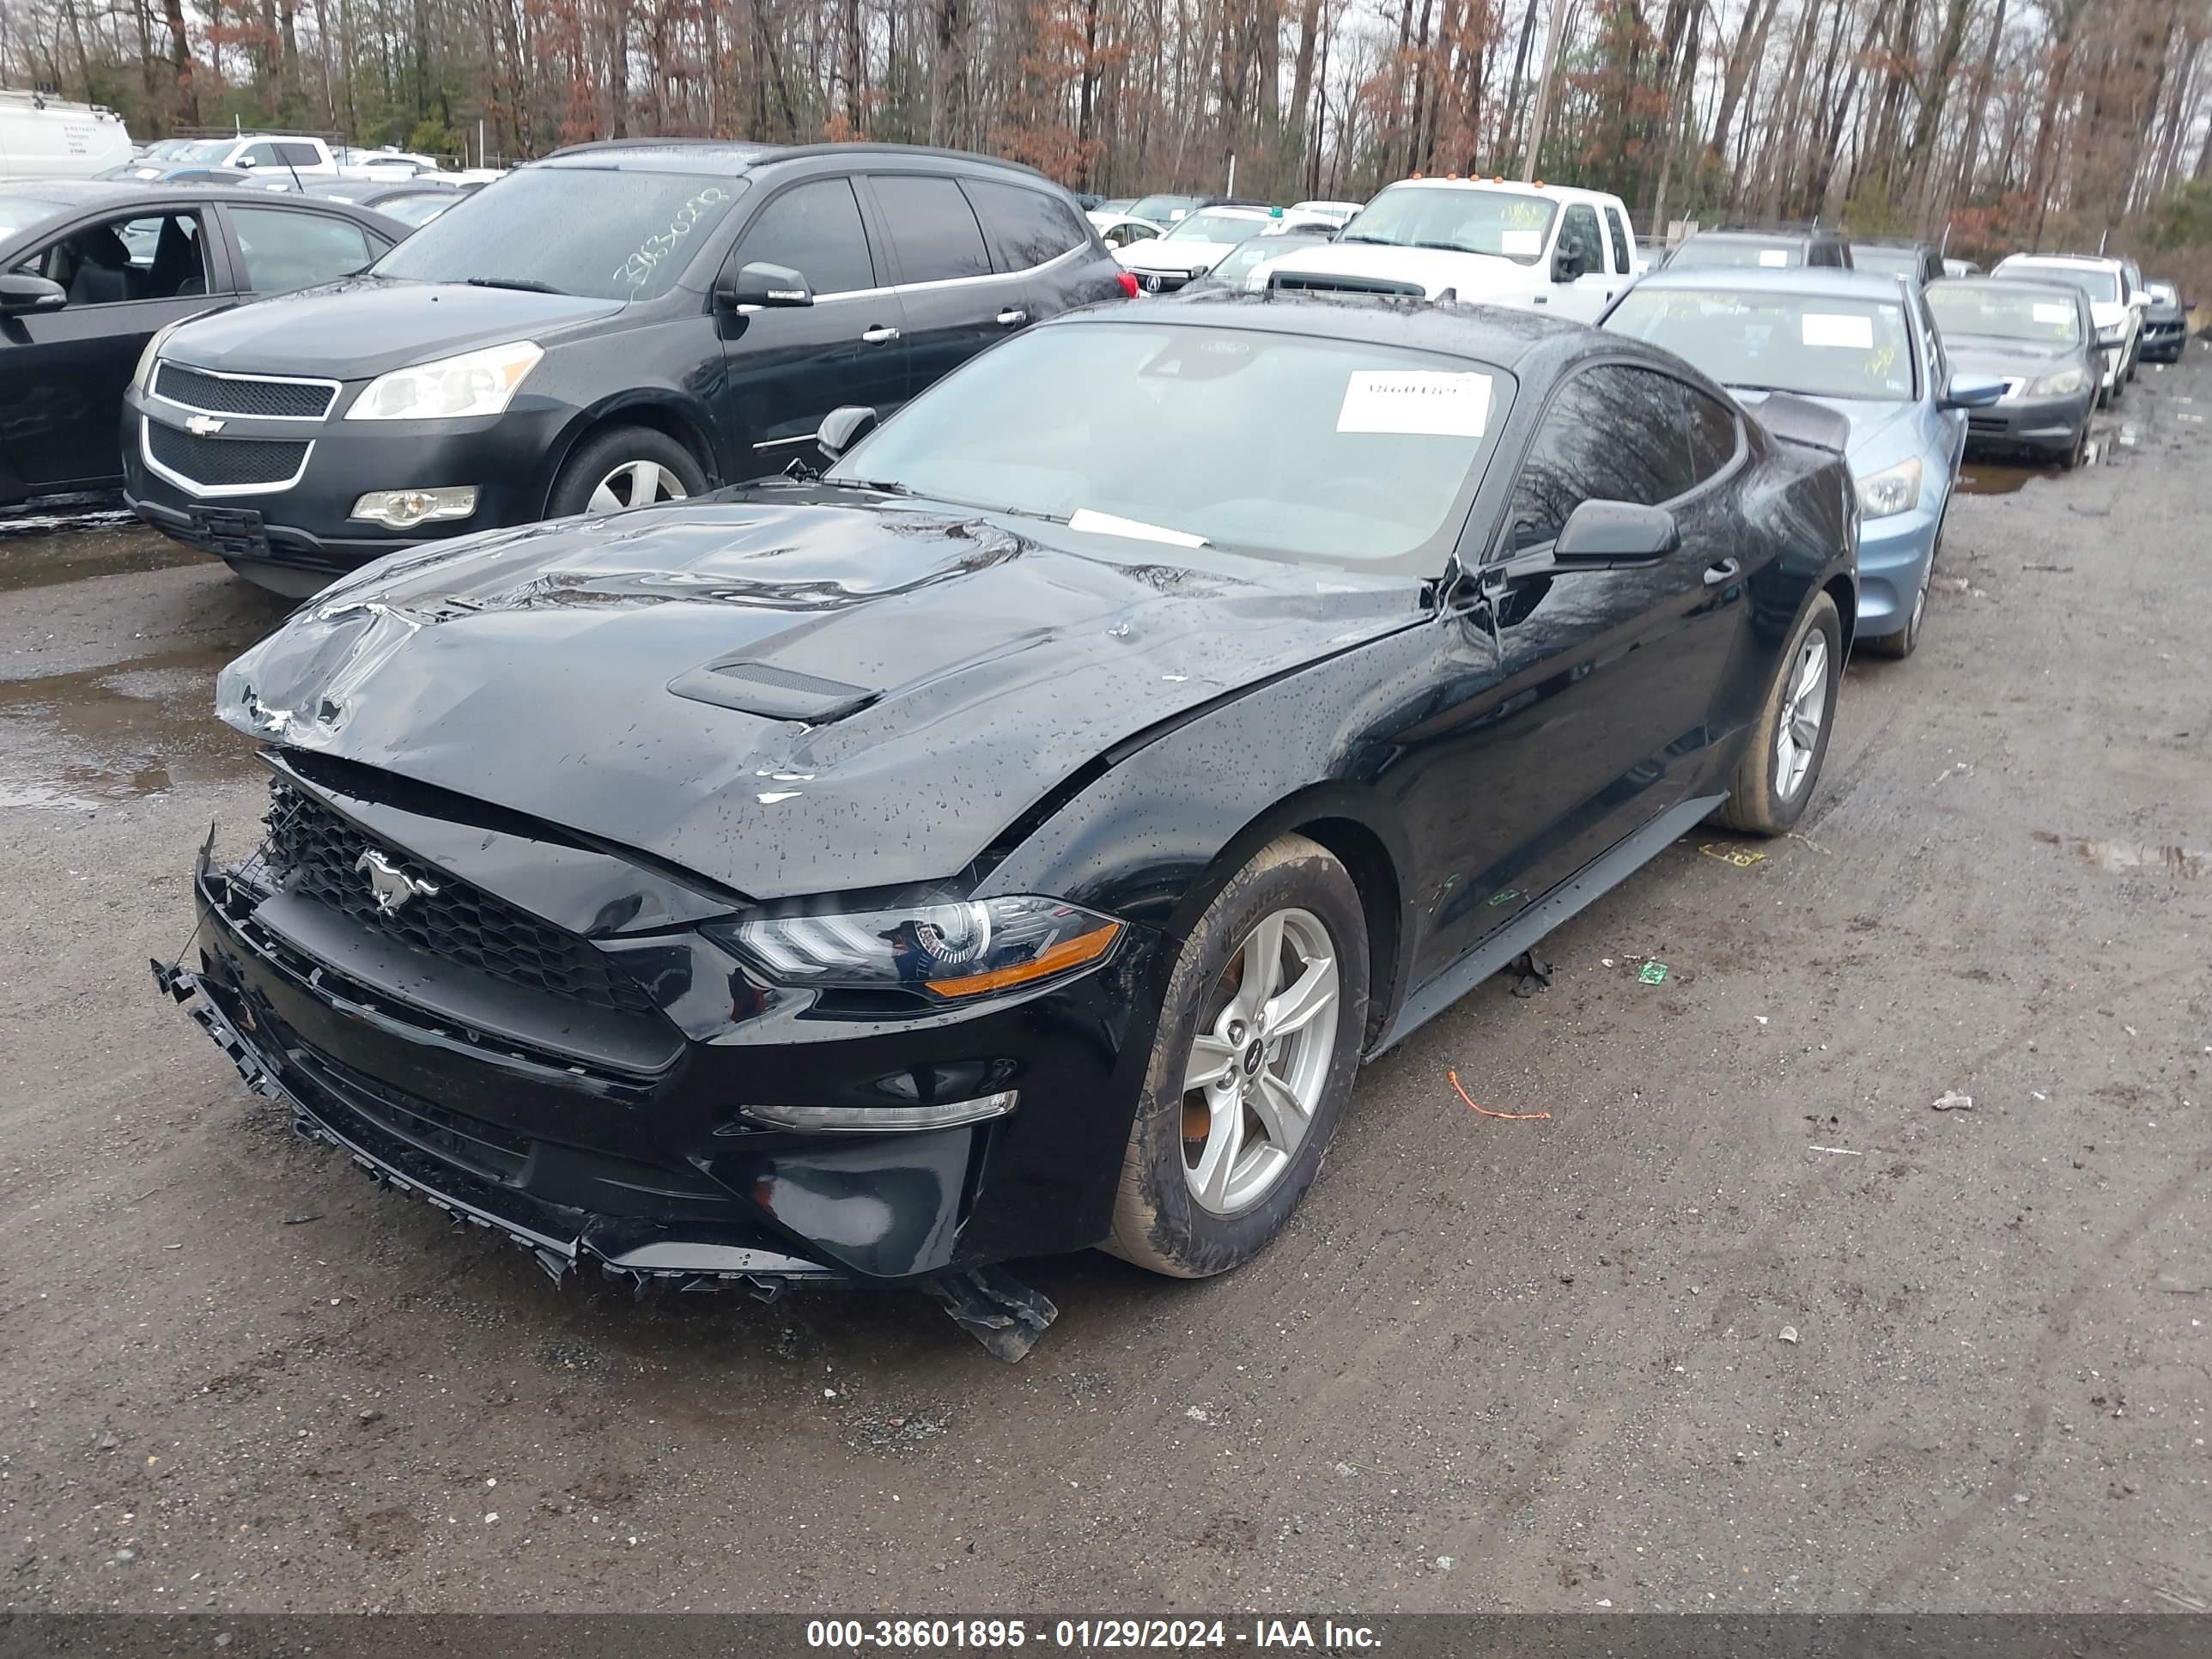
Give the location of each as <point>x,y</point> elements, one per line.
<point>2166,323</point>
<point>621,324</point>
<point>91,272</point>
<point>1013,840</point>
<point>2041,341</point>
<point>411,201</point>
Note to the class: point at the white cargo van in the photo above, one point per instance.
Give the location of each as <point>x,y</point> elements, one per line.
<point>43,137</point>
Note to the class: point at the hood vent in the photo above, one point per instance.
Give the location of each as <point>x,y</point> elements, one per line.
<point>772,692</point>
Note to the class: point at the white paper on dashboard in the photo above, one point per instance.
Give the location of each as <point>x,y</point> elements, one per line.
<point>1422,402</point>
<point>1106,524</point>
<point>1521,242</point>
<point>1852,333</point>
<point>1774,257</point>
<point>2052,314</point>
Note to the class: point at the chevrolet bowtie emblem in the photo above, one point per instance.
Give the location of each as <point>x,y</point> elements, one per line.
<point>202,424</point>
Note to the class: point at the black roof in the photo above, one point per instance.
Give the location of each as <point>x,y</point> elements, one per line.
<point>731,156</point>
<point>1498,335</point>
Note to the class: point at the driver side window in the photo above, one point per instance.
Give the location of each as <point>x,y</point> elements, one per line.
<point>1581,240</point>
<point>814,229</point>
<point>1612,434</point>
<point>154,257</point>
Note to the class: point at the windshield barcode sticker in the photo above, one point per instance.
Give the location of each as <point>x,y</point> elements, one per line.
<point>1852,333</point>
<point>1416,402</point>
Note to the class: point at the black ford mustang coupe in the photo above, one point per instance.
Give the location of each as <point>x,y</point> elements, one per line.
<point>1013,840</point>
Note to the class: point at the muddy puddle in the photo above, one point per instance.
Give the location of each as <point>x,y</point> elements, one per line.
<point>2128,856</point>
<point>1991,478</point>
<point>78,742</point>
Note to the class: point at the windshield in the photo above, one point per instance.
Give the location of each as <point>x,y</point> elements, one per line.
<point>1816,344</point>
<point>2006,311</point>
<point>203,151</point>
<point>1249,255</point>
<point>1165,210</point>
<point>2103,286</point>
<point>622,235</point>
<point>1737,251</point>
<point>1215,227</point>
<point>1281,446</point>
<point>1510,224</point>
<point>417,209</point>
<point>1889,261</point>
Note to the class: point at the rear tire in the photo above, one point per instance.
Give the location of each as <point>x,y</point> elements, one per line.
<point>1211,1173</point>
<point>624,466</point>
<point>1771,788</point>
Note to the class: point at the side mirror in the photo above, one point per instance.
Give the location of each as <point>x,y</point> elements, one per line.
<point>1972,392</point>
<point>2139,300</point>
<point>245,161</point>
<point>1618,533</point>
<point>843,427</point>
<point>20,292</point>
<point>765,285</point>
<point>1567,265</point>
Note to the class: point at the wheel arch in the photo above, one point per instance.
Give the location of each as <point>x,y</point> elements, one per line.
<point>1841,588</point>
<point>645,408</point>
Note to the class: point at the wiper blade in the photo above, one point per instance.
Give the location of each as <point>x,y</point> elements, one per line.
<point>881,486</point>
<point>1379,241</point>
<point>524,284</point>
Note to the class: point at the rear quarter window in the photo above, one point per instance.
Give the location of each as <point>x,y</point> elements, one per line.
<point>1025,227</point>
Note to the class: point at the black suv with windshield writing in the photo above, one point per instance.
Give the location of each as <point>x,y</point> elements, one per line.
<point>621,324</point>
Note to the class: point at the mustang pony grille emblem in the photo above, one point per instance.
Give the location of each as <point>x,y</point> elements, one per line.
<point>202,424</point>
<point>392,885</point>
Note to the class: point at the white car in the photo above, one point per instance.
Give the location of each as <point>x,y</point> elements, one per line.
<point>43,137</point>
<point>280,155</point>
<point>386,166</point>
<point>2116,311</point>
<point>1543,247</point>
<point>1119,230</point>
<point>1192,247</point>
<point>1336,212</point>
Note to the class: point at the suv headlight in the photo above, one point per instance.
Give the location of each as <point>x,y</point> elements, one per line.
<point>952,952</point>
<point>475,383</point>
<point>1893,490</point>
<point>2058,384</point>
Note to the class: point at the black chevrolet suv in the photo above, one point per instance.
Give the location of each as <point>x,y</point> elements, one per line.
<point>622,323</point>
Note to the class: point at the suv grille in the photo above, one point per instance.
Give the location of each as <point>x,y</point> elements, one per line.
<point>218,462</point>
<point>317,853</point>
<point>220,395</point>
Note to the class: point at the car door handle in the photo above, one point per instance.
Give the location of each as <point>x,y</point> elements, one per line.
<point>1726,570</point>
<point>879,335</point>
<point>1013,318</point>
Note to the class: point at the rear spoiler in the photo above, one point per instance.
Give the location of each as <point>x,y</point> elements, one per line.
<point>1801,420</point>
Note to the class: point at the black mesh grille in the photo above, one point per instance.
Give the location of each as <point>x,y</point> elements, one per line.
<point>219,396</point>
<point>317,855</point>
<point>224,461</point>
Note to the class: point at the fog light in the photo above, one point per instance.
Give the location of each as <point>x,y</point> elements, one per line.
<point>404,508</point>
<point>884,1120</point>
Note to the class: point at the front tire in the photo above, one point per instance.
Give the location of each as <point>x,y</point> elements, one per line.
<point>1252,1062</point>
<point>624,466</point>
<point>1781,758</point>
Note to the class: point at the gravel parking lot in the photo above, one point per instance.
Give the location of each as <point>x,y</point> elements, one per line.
<point>1745,1324</point>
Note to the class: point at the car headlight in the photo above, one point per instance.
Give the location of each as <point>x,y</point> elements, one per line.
<point>2058,384</point>
<point>152,354</point>
<point>475,383</point>
<point>952,952</point>
<point>1893,490</point>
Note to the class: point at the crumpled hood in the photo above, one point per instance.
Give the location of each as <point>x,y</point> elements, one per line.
<point>1472,275</point>
<point>365,326</point>
<point>622,676</point>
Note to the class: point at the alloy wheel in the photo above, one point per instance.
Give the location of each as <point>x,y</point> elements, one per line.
<point>1804,711</point>
<point>1260,1062</point>
<point>636,483</point>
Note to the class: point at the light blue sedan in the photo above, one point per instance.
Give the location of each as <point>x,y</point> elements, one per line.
<point>1864,344</point>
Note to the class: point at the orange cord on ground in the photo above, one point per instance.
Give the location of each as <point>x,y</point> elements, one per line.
<point>1510,1117</point>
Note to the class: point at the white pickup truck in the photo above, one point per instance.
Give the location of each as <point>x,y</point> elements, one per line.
<point>1543,247</point>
